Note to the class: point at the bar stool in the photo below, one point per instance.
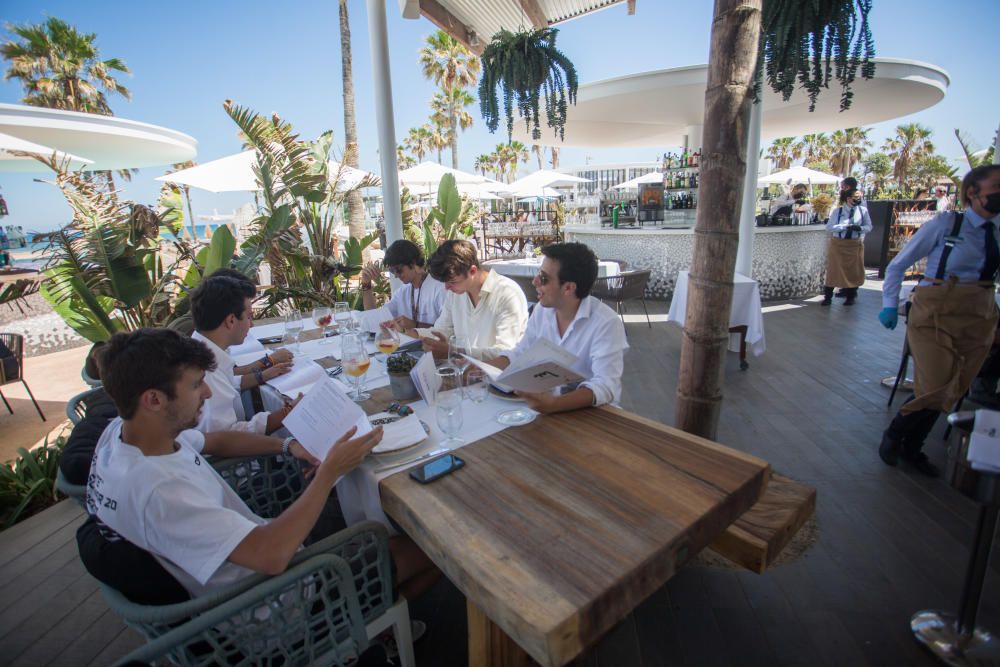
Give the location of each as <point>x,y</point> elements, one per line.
<point>954,638</point>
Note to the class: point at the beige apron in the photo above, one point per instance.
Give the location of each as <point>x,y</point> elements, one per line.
<point>845,263</point>
<point>949,330</point>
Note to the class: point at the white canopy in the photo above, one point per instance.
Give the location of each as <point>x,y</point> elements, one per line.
<point>429,174</point>
<point>799,174</point>
<point>234,173</point>
<point>532,194</point>
<point>11,162</point>
<point>544,178</point>
<point>651,177</point>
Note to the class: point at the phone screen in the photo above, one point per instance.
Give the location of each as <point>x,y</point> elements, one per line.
<point>435,468</point>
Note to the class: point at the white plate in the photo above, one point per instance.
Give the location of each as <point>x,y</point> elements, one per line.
<point>387,418</point>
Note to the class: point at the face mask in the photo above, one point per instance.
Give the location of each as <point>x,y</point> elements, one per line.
<point>993,203</point>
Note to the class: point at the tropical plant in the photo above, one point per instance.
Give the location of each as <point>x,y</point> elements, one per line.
<point>437,136</point>
<point>511,155</point>
<point>61,68</point>
<point>822,204</point>
<point>911,142</point>
<point>847,148</point>
<point>449,112</point>
<point>355,204</point>
<point>973,157</point>
<point>799,40</point>
<point>453,68</point>
<point>525,68</point>
<point>879,167</point>
<point>186,190</point>
<point>929,169</point>
<point>554,152</point>
<point>449,219</point>
<point>418,142</point>
<point>28,483</point>
<point>484,163</point>
<point>539,152</point>
<point>783,152</point>
<point>404,160</point>
<point>814,147</point>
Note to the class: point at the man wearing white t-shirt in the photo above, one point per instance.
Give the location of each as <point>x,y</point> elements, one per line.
<point>419,301</point>
<point>568,316</point>
<point>150,483</point>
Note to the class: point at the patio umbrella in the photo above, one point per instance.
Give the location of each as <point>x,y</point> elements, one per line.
<point>11,162</point>
<point>546,178</point>
<point>799,174</point>
<point>651,177</point>
<point>428,175</point>
<point>538,193</point>
<point>234,173</point>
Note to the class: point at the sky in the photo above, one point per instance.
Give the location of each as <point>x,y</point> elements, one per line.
<point>188,57</point>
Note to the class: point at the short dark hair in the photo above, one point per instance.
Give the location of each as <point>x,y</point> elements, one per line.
<point>849,183</point>
<point>226,272</point>
<point>577,264</point>
<point>132,363</point>
<point>403,253</point>
<point>215,299</point>
<point>92,364</point>
<point>452,260</point>
<point>847,194</point>
<point>974,178</point>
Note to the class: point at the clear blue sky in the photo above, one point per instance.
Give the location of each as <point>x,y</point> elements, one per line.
<point>187,57</point>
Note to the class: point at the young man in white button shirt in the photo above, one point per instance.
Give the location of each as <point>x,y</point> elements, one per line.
<point>221,308</point>
<point>568,316</point>
<point>486,309</point>
<point>419,301</point>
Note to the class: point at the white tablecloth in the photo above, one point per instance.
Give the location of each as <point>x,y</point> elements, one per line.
<point>530,267</point>
<point>358,490</point>
<point>746,310</point>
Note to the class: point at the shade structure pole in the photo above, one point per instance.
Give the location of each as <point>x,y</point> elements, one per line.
<point>378,35</point>
<point>748,213</point>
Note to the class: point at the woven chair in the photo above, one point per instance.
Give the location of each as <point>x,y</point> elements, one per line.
<point>623,287</point>
<point>312,606</point>
<point>15,343</point>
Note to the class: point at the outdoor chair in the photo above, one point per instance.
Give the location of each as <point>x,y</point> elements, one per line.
<point>14,293</point>
<point>312,609</point>
<point>623,287</point>
<point>622,264</point>
<point>77,492</point>
<point>524,282</point>
<point>12,367</point>
<point>76,407</point>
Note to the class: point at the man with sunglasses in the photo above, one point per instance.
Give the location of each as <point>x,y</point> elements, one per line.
<point>572,319</point>
<point>419,301</point>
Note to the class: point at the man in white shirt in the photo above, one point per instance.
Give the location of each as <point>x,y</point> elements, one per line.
<point>943,201</point>
<point>568,316</point>
<point>150,483</point>
<point>221,308</point>
<point>419,301</point>
<point>483,308</point>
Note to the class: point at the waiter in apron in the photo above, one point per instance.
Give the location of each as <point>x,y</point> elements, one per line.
<point>845,254</point>
<point>953,315</point>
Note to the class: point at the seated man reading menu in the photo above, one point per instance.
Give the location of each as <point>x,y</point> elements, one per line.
<point>568,316</point>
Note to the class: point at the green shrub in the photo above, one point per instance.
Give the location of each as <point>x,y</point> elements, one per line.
<point>28,484</point>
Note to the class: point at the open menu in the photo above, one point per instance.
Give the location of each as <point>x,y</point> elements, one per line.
<point>323,415</point>
<point>542,367</point>
<point>304,374</point>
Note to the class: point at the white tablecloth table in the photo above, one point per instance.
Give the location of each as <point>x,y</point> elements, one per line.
<point>746,310</point>
<point>530,267</point>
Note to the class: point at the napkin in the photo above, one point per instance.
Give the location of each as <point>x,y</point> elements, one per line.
<point>984,445</point>
<point>400,434</point>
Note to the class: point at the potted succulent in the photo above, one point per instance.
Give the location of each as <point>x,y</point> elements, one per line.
<point>399,366</point>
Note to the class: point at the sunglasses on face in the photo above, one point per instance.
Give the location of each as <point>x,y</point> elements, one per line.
<point>543,278</point>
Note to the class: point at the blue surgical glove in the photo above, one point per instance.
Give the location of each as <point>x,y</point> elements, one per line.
<point>889,317</point>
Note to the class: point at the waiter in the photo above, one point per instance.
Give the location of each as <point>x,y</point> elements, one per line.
<point>845,255</point>
<point>953,314</point>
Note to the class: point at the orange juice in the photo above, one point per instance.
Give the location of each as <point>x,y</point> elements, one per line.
<point>387,346</point>
<point>357,368</point>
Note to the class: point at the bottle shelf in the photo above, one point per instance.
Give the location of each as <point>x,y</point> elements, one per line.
<point>694,168</point>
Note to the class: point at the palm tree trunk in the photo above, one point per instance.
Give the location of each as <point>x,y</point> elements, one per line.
<point>355,204</point>
<point>728,97</point>
<point>555,157</point>
<point>187,196</point>
<point>454,139</point>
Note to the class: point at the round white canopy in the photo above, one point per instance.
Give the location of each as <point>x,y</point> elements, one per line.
<point>799,174</point>
<point>659,108</point>
<point>11,160</point>
<point>110,142</point>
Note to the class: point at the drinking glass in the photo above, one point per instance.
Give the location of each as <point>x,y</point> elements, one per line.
<point>342,316</point>
<point>387,340</point>
<point>457,346</point>
<point>354,360</point>
<point>476,385</point>
<point>322,317</point>
<point>293,327</point>
<point>449,417</point>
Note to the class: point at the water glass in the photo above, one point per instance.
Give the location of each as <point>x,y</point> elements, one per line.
<point>457,346</point>
<point>322,317</point>
<point>293,327</point>
<point>476,385</point>
<point>451,380</point>
<point>343,317</point>
<point>449,418</point>
<point>355,362</point>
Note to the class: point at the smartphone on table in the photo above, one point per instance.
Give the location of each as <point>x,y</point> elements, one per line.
<point>436,468</point>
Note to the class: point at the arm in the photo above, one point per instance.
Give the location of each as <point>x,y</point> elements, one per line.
<point>607,362</point>
<point>229,444</point>
<point>368,275</point>
<point>921,244</point>
<point>841,223</point>
<point>866,221</point>
<point>546,403</point>
<point>270,547</point>
<point>276,357</point>
<point>252,380</point>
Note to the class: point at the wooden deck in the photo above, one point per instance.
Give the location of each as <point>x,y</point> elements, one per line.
<point>890,542</point>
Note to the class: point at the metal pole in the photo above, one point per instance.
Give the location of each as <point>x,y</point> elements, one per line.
<point>748,213</point>
<point>979,557</point>
<point>378,35</point>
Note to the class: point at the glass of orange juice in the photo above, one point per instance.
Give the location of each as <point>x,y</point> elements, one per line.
<point>354,359</point>
<point>387,340</point>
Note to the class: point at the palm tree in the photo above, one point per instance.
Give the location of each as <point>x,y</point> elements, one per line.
<point>783,152</point>
<point>555,157</point>
<point>186,189</point>
<point>61,68</point>
<point>355,203</point>
<point>483,163</point>
<point>418,142</point>
<point>814,147</point>
<point>404,161</point>
<point>448,109</point>
<point>879,165</point>
<point>848,147</point>
<point>497,164</point>
<point>452,67</point>
<point>539,152</point>
<point>438,135</point>
<point>510,156</point>
<point>912,142</point>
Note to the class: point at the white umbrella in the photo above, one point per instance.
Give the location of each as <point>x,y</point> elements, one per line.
<point>234,173</point>
<point>799,174</point>
<point>546,178</point>
<point>11,162</point>
<point>651,177</point>
<point>428,174</point>
<point>538,193</point>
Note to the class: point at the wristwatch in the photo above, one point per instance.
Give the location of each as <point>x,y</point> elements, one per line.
<point>267,361</point>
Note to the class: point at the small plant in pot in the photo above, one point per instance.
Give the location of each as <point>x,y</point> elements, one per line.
<point>399,366</point>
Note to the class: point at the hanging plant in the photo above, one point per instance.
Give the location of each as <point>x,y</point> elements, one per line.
<point>813,42</point>
<point>526,66</point>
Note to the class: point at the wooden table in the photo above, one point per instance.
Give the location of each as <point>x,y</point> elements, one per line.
<point>556,530</point>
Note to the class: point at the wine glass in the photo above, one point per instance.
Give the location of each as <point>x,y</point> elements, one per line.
<point>387,340</point>
<point>322,317</point>
<point>449,417</point>
<point>457,346</point>
<point>354,360</point>
<point>293,327</point>
<point>342,316</point>
<point>476,385</point>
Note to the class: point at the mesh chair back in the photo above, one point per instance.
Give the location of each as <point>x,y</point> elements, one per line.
<point>607,288</point>
<point>633,284</point>
<point>267,484</point>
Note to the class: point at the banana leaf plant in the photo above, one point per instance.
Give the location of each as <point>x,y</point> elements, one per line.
<point>450,219</point>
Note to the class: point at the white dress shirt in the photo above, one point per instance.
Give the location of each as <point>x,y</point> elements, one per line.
<point>428,298</point>
<point>493,325</point>
<point>223,411</point>
<point>596,336</point>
